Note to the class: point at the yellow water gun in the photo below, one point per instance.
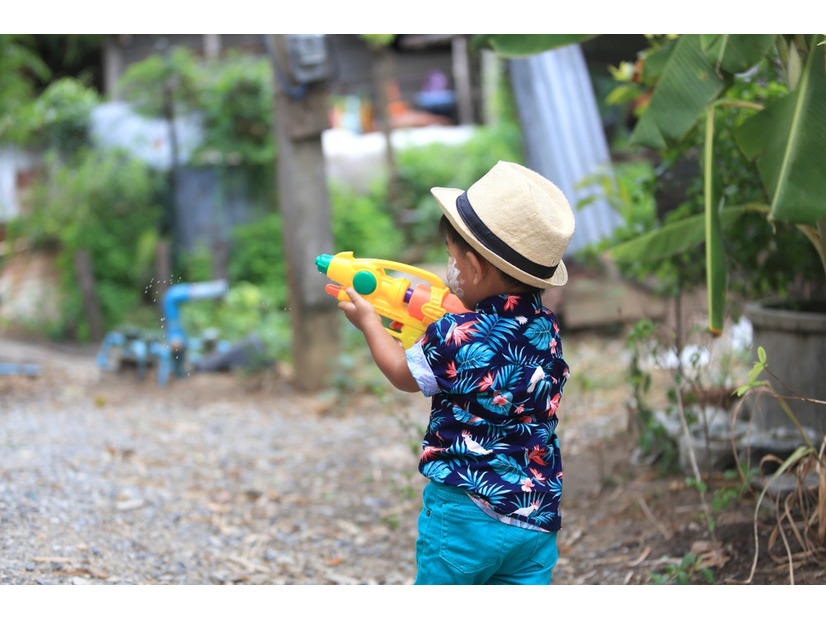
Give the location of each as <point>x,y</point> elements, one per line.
<point>410,308</point>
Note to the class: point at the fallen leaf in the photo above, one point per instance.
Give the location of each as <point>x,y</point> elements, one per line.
<point>710,555</point>
<point>641,558</point>
<point>129,504</point>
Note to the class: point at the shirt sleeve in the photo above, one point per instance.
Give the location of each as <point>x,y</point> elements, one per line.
<point>421,370</point>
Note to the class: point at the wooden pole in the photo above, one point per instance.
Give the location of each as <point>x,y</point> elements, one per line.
<point>300,115</point>
<point>88,290</point>
<point>461,79</point>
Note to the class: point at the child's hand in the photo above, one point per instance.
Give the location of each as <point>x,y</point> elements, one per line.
<point>387,352</point>
<point>359,311</point>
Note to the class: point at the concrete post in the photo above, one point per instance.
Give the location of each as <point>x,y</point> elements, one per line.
<point>301,114</point>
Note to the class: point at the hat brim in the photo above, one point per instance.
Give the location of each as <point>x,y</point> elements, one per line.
<point>446,199</point>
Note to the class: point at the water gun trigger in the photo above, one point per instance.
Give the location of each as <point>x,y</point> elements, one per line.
<point>337,291</point>
<point>405,334</point>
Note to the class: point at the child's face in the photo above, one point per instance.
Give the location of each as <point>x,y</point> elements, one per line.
<point>458,273</point>
<point>472,278</point>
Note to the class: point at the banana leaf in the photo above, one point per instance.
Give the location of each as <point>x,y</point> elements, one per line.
<point>677,237</point>
<point>686,87</point>
<point>786,140</point>
<point>656,60</point>
<point>736,53</point>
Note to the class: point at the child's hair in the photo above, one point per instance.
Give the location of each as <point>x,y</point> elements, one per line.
<point>447,230</point>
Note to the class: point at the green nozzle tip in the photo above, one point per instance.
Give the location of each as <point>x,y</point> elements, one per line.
<point>322,262</point>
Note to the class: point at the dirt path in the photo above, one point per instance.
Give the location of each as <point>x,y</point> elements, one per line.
<point>220,479</point>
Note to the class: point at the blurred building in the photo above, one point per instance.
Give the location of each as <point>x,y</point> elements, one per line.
<point>415,58</point>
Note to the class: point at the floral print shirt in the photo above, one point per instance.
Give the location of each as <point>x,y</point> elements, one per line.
<point>496,377</point>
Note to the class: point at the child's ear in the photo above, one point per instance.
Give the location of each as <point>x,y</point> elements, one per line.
<point>478,267</point>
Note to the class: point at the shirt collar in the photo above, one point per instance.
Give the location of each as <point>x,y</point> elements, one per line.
<point>516,304</point>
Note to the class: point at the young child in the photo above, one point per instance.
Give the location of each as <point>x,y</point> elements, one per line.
<point>491,507</point>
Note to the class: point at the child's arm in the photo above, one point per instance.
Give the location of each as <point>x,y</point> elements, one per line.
<point>386,351</point>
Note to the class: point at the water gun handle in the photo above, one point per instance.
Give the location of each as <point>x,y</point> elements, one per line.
<point>406,333</point>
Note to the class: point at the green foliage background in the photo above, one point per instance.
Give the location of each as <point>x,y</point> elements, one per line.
<point>106,203</point>
<point>113,206</point>
<point>759,256</point>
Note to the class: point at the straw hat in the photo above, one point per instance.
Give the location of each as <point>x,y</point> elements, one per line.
<point>516,219</point>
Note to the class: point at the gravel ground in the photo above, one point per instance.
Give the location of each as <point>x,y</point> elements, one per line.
<point>226,479</point>
<point>214,479</point>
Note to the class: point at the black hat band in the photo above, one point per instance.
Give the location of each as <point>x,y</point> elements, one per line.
<point>489,239</point>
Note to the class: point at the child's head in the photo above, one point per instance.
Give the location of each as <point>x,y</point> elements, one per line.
<point>450,234</point>
<point>516,220</point>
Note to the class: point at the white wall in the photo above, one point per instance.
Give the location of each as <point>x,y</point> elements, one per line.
<point>12,162</point>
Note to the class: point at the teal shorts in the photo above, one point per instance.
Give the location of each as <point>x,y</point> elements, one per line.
<point>459,544</point>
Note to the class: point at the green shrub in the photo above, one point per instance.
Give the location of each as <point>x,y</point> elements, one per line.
<point>257,301</point>
<point>236,101</point>
<point>60,117</point>
<point>363,224</point>
<point>370,225</point>
<point>245,310</point>
<point>195,265</point>
<point>233,97</point>
<point>258,258</point>
<point>19,68</point>
<point>106,203</point>
<point>440,165</point>
<point>164,84</point>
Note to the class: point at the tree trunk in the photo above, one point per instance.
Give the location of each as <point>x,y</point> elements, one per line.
<point>86,280</point>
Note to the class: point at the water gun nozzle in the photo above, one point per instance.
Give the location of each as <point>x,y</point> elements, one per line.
<point>322,262</point>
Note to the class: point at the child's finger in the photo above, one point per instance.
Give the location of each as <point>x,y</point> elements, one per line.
<point>357,300</point>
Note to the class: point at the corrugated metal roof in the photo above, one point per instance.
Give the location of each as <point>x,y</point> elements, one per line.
<point>563,134</point>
